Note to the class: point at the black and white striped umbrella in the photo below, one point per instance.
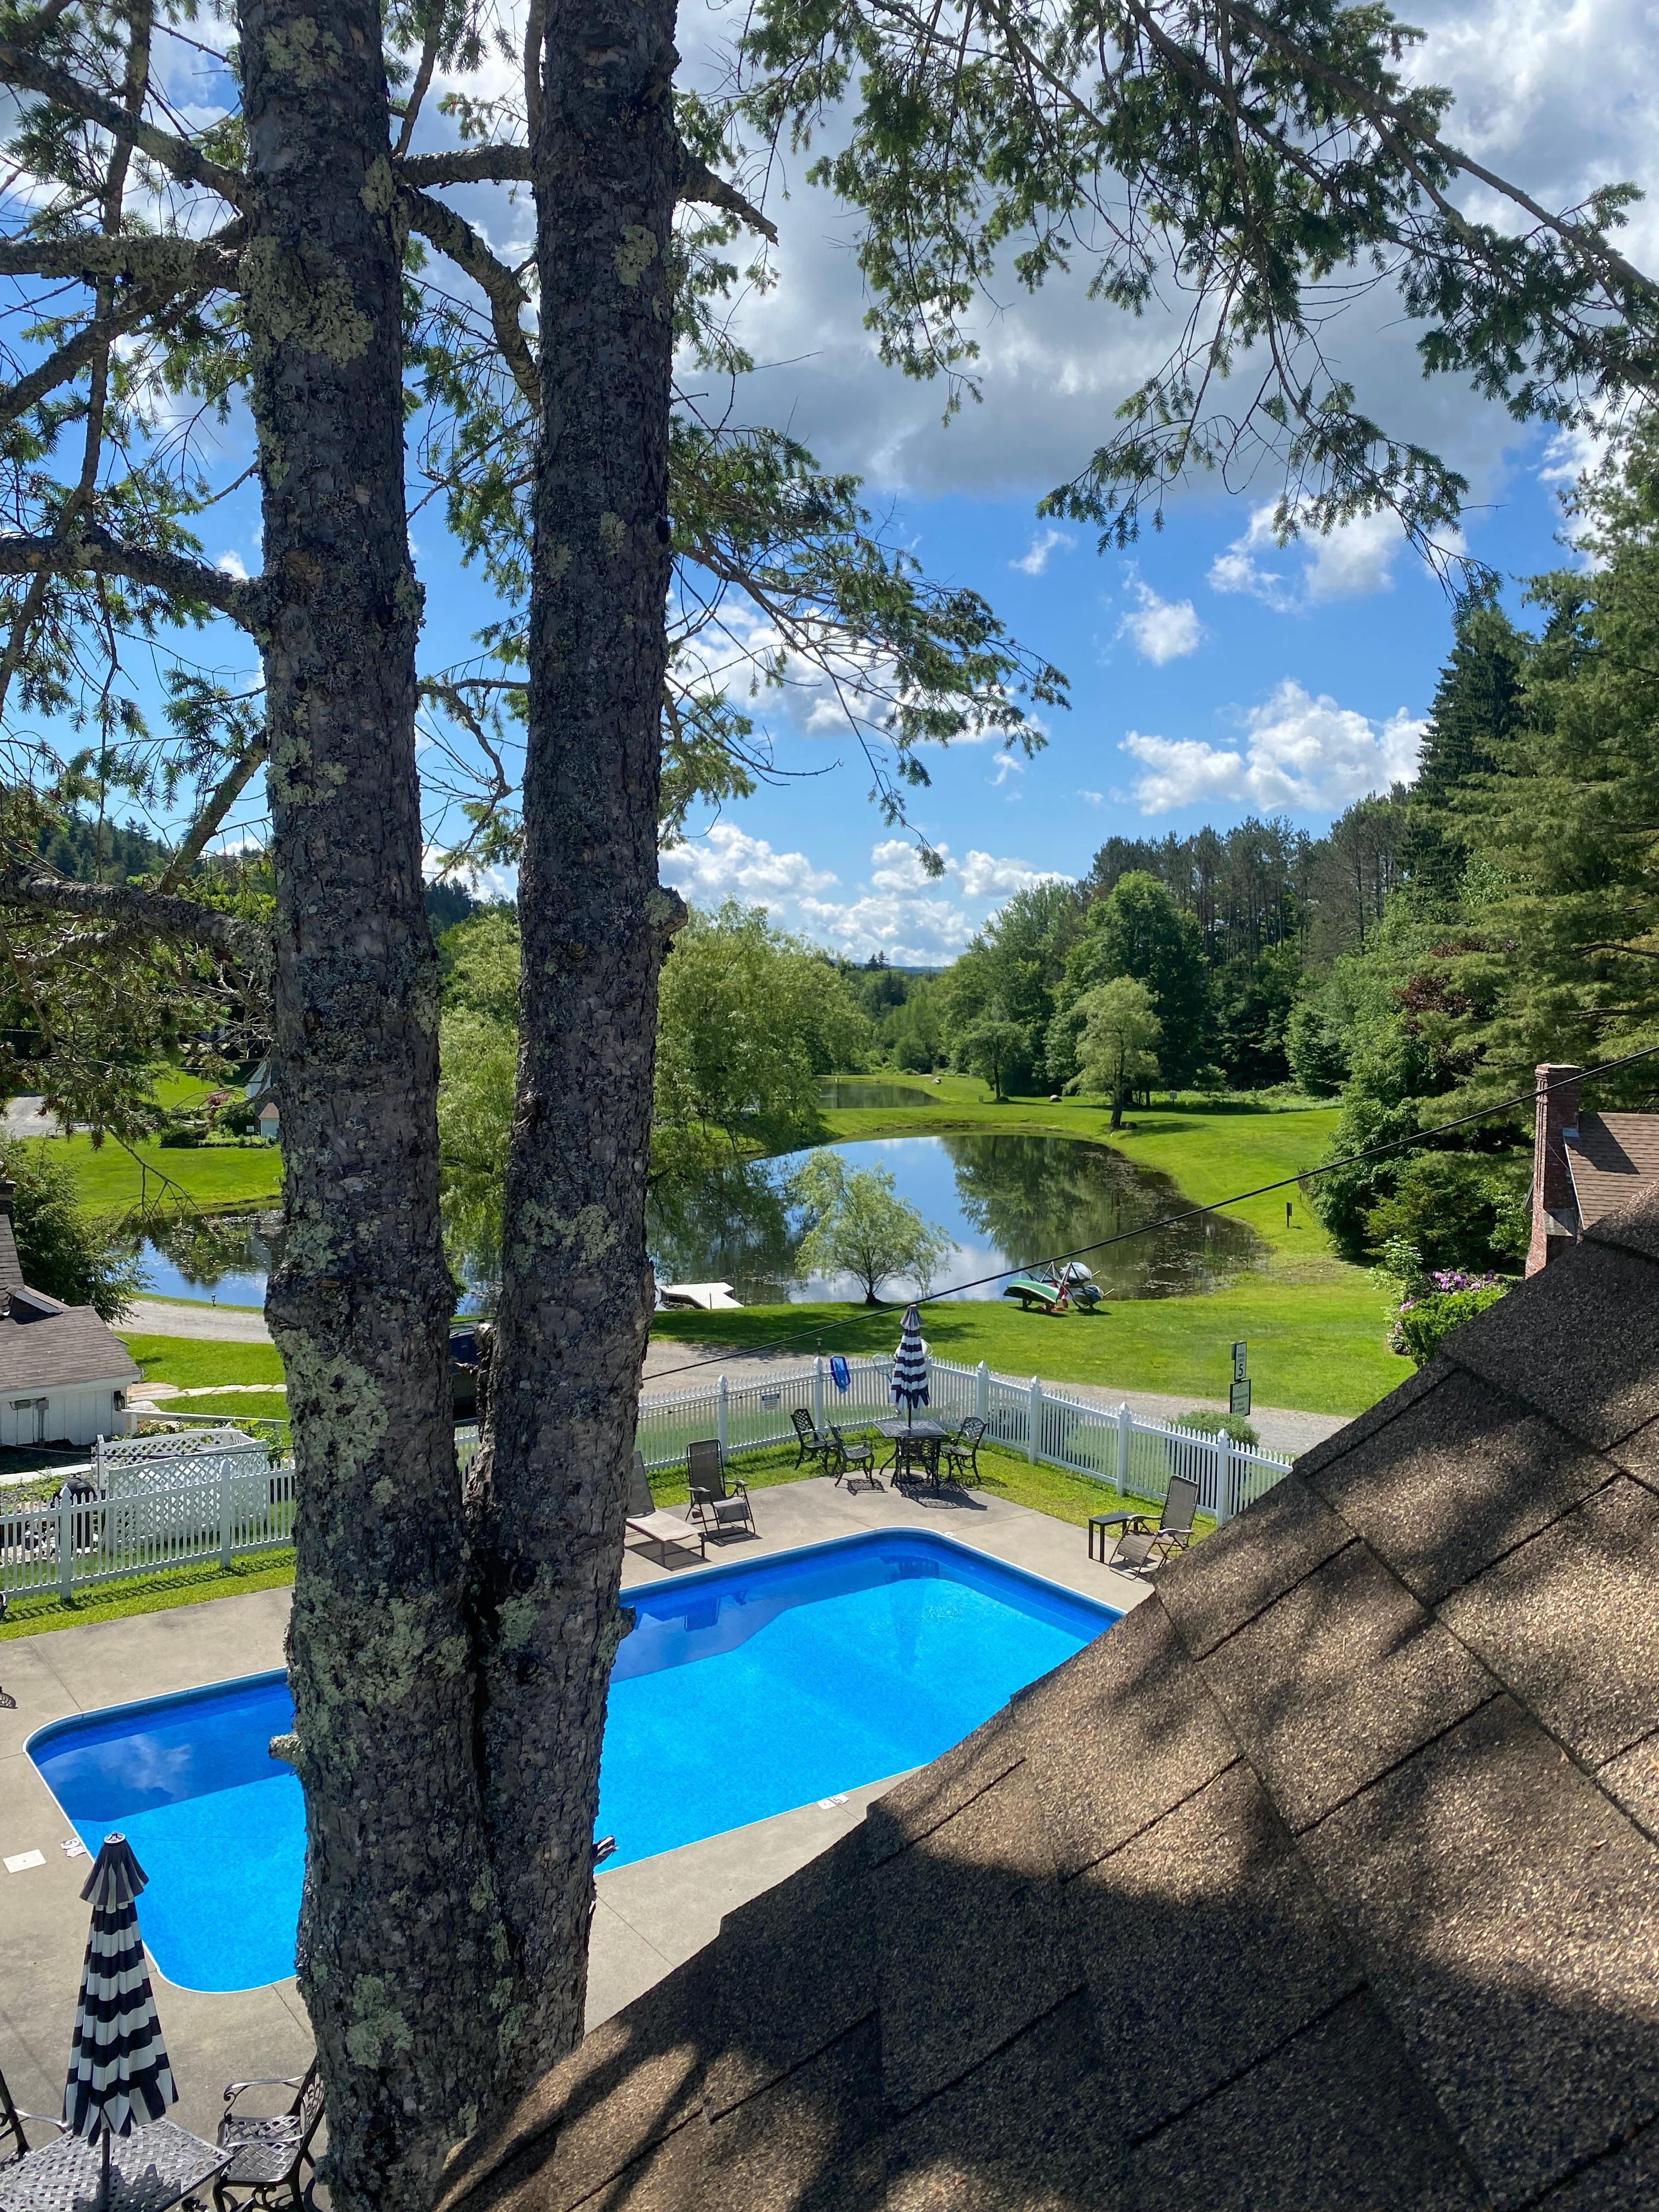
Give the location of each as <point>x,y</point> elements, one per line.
<point>118,2076</point>
<point>910,1367</point>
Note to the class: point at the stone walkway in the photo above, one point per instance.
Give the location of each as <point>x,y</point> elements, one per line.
<point>649,1916</point>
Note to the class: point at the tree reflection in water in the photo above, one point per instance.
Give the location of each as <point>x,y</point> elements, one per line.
<point>1008,1200</point>
<point>1034,1196</point>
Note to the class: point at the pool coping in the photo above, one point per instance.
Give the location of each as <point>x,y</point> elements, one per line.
<point>988,1562</point>
<point>850,1541</point>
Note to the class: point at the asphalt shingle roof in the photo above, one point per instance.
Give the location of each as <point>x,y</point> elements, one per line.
<point>1327,1881</point>
<point>1612,1160</point>
<point>71,1345</point>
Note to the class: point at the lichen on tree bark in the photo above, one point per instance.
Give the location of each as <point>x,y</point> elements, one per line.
<point>400,1956</point>
<point>576,1286</point>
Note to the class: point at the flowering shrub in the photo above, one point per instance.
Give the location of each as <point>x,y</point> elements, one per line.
<point>1426,1304</point>
<point>1447,1299</point>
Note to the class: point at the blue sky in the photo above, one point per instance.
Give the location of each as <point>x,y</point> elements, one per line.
<point>1212,673</point>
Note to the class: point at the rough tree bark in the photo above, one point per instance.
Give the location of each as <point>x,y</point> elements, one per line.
<point>576,1290</point>
<point>397,1961</point>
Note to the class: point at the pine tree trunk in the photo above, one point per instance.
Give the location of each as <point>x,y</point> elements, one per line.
<point>396,1961</point>
<point>576,1288</point>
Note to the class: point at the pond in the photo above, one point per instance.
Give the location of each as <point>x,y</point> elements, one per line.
<point>220,1258</point>
<point>1004,1200</point>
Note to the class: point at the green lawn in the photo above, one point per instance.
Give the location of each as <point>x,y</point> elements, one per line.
<point>1314,1324</point>
<point>34,1616</point>
<point>193,1362</point>
<point>1317,1345</point>
<point>215,1176</point>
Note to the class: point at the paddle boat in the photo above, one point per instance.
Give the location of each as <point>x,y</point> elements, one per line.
<point>1057,1290</point>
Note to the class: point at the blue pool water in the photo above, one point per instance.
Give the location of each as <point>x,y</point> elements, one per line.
<point>743,1690</point>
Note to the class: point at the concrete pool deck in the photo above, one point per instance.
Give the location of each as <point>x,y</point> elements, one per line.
<point>650,1914</point>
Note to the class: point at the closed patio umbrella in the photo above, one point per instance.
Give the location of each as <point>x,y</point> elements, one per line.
<point>910,1367</point>
<point>118,2076</point>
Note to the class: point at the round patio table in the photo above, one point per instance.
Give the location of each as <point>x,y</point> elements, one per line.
<point>149,2171</point>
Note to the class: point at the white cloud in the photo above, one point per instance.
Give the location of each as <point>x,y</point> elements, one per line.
<point>1161,629</point>
<point>906,927</point>
<point>1239,570</point>
<point>1571,454</point>
<point>1002,768</point>
<point>728,863</point>
<point>232,564</point>
<point>1091,798</point>
<point>1300,751</point>
<point>897,867</point>
<point>1350,562</point>
<point>1035,559</point>
<point>980,875</point>
<point>903,911</point>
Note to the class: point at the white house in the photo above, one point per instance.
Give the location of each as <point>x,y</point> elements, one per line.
<point>63,1373</point>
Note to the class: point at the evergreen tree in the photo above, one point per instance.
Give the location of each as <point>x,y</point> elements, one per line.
<point>1477,708</point>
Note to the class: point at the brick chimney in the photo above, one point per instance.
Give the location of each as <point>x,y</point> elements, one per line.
<point>1554,1208</point>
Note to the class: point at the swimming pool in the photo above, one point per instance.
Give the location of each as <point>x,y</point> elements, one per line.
<point>743,1690</point>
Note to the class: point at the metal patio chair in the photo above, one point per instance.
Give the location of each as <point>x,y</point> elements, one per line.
<point>271,2155</point>
<point>810,1443</point>
<point>963,1449</point>
<point>856,1461</point>
<point>11,2126</point>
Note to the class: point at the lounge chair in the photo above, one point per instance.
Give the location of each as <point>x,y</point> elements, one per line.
<point>963,1449</point>
<point>270,2154</point>
<point>11,2124</point>
<point>715,1504</point>
<point>810,1444</point>
<point>850,1458</point>
<point>1139,1538</point>
<point>658,1528</point>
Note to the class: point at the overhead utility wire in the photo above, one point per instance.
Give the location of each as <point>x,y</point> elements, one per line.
<point>1188,1213</point>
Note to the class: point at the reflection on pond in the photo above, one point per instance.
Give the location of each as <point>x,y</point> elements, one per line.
<point>1006,1201</point>
<point>221,1257</point>
<point>835,1090</point>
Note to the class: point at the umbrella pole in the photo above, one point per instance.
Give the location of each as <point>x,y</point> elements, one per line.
<point>103,2194</point>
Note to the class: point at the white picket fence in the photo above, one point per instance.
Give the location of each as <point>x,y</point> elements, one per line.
<point>219,1496</point>
<point>1111,1445</point>
<point>176,1518</point>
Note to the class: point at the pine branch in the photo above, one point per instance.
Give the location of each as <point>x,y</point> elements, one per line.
<point>126,911</point>
<point>467,165</point>
<point>208,822</point>
<point>162,265</point>
<point>510,165</point>
<point>462,245</point>
<point>96,551</point>
<point>699,186</point>
<point>27,73</point>
<point>138,305</point>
